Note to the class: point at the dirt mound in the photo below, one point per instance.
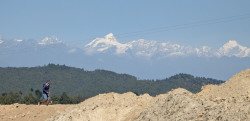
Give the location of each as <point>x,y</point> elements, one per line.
<point>182,105</point>
<point>107,107</point>
<point>229,101</point>
<point>236,87</point>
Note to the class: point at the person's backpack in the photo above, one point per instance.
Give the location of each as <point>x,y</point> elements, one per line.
<point>46,88</point>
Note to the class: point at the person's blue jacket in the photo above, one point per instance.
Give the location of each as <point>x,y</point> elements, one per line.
<point>46,88</point>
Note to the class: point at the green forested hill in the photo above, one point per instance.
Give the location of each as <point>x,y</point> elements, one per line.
<point>76,81</point>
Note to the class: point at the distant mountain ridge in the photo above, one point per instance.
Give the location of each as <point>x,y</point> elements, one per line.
<point>149,48</point>
<point>75,81</point>
<point>18,46</point>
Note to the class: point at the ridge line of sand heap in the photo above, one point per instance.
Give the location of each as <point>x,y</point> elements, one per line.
<point>238,86</point>
<point>180,104</point>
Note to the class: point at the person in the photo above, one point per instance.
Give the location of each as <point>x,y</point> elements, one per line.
<point>46,93</point>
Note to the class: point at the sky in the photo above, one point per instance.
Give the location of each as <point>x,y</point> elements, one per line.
<point>186,23</point>
<point>194,22</point>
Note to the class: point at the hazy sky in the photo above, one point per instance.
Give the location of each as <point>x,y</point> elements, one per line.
<point>186,22</point>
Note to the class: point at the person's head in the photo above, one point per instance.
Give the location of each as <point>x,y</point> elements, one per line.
<point>48,81</point>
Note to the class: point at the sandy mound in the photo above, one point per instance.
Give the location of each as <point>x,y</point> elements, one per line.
<point>229,101</point>
<point>180,105</point>
<point>107,107</point>
<point>238,87</point>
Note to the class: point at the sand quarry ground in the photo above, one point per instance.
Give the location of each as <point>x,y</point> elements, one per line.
<point>229,101</point>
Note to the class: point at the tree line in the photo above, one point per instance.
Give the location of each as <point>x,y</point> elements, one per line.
<point>35,96</point>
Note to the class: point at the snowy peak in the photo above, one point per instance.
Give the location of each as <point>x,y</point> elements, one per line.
<point>110,37</point>
<point>232,48</point>
<point>231,43</point>
<point>50,40</point>
<point>109,42</point>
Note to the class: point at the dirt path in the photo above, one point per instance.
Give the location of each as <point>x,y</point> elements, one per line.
<point>22,112</point>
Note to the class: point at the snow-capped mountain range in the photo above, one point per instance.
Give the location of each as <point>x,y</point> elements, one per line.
<point>19,46</point>
<point>141,48</point>
<point>150,48</point>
